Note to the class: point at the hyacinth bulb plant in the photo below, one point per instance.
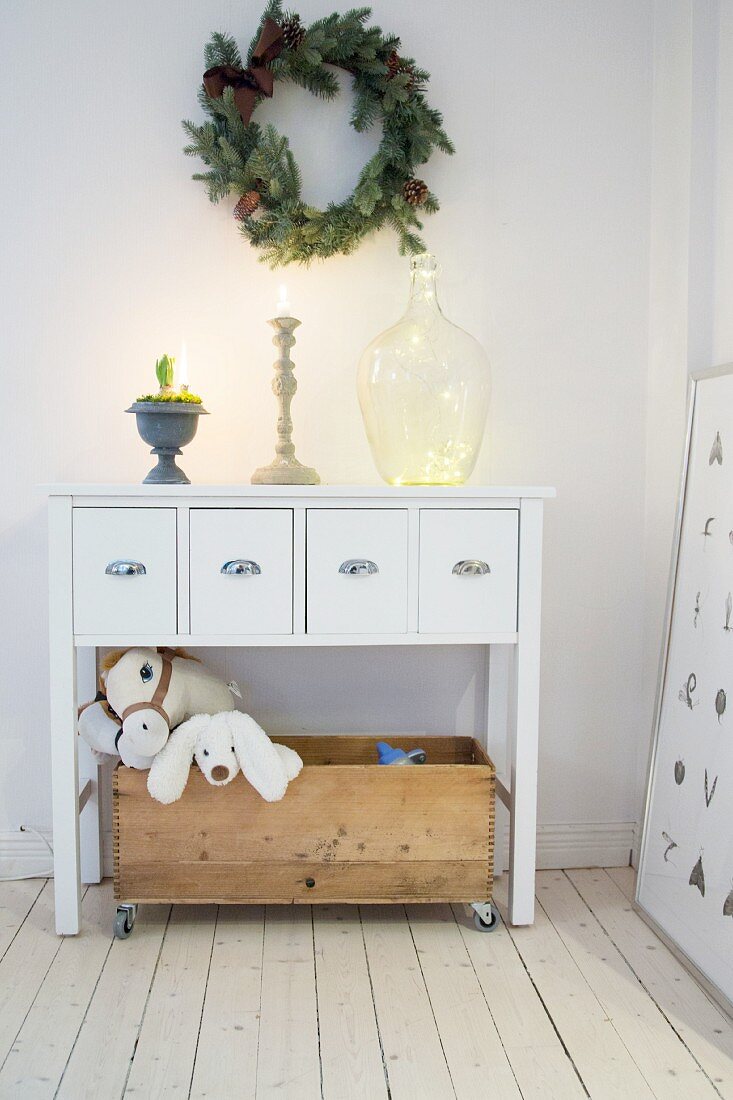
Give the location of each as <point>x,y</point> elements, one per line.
<point>164,372</point>
<point>167,421</point>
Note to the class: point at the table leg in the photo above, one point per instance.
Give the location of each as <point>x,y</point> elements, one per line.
<point>525,723</point>
<point>64,763</point>
<point>498,708</point>
<point>90,823</point>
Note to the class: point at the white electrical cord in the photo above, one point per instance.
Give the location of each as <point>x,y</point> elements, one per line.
<point>36,874</point>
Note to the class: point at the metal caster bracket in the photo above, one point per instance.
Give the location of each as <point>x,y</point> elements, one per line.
<point>124,921</point>
<point>485,916</point>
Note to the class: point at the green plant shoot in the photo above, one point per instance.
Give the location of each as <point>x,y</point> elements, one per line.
<point>164,371</point>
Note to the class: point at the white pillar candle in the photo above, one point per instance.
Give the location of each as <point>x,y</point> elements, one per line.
<point>284,309</point>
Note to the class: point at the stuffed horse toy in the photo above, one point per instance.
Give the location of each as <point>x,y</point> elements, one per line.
<point>149,692</point>
<point>222,744</point>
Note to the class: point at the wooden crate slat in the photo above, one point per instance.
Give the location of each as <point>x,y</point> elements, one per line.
<point>347,748</point>
<point>269,883</point>
<point>336,814</point>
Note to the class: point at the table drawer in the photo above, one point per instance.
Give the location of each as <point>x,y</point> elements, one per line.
<point>458,593</point>
<point>124,570</point>
<point>356,571</point>
<point>241,570</point>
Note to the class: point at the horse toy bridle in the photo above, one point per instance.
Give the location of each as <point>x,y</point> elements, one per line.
<point>156,703</point>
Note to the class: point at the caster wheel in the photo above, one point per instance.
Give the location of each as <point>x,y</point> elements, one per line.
<point>487,926</point>
<point>124,921</point>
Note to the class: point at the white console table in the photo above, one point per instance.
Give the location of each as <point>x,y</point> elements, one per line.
<point>335,565</point>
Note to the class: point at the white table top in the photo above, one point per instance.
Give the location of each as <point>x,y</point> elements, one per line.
<point>366,492</point>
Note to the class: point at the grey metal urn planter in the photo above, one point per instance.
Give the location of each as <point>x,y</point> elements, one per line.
<point>167,427</point>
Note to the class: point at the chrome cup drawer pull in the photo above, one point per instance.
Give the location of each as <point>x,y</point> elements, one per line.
<point>471,568</point>
<point>358,567</point>
<point>240,567</point>
<point>125,568</point>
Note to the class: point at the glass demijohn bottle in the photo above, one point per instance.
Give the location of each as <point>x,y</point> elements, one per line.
<point>424,389</point>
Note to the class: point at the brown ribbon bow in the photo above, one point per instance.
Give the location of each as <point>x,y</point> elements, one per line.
<point>249,83</point>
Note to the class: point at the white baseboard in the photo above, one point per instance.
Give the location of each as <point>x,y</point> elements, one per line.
<point>635,850</point>
<point>24,854</point>
<point>584,845</point>
<point>598,844</point>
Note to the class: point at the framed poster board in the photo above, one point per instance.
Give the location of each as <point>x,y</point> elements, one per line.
<point>685,881</point>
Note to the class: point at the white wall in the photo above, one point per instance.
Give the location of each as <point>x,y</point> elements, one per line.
<point>691,271</point>
<point>111,253</point>
<point>722,296</point>
<point>669,330</point>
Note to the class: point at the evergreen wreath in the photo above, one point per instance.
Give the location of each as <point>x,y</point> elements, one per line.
<point>257,163</point>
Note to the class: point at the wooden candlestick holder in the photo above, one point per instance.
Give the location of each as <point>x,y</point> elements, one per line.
<point>285,469</point>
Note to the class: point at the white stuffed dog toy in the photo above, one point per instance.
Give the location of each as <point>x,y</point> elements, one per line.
<point>222,744</point>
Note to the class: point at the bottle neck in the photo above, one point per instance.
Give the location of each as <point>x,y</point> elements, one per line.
<point>423,301</point>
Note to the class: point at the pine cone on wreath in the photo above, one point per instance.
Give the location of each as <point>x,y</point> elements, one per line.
<point>396,65</point>
<point>293,32</point>
<point>247,205</point>
<point>393,64</point>
<point>415,191</point>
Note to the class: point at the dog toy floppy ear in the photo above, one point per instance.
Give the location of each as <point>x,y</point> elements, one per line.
<point>171,767</point>
<point>291,761</point>
<point>261,762</point>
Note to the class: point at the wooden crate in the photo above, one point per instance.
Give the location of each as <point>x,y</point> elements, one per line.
<point>348,830</point>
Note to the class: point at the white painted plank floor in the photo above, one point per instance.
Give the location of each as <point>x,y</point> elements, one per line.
<point>339,1002</point>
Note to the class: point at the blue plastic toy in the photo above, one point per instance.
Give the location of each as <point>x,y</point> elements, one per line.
<point>387,755</point>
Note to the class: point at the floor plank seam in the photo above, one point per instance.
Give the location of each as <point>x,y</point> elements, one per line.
<point>25,918</point>
<point>541,999</point>
<point>597,999</point>
<point>486,999</point>
<point>374,1006</point>
<point>203,1004</point>
<point>259,1007</point>
<point>83,1021</point>
<point>605,870</point>
<point>35,995</point>
<point>647,991</point>
<point>430,1002</point>
<point>318,1018</point>
<point>644,987</point>
<point>147,1002</point>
